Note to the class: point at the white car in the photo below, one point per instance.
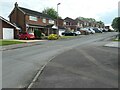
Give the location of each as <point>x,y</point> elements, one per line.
<point>78,32</point>
<point>92,31</point>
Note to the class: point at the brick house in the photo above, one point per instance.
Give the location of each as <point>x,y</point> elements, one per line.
<point>87,23</point>
<point>80,23</point>
<point>7,29</point>
<point>70,24</point>
<point>30,20</point>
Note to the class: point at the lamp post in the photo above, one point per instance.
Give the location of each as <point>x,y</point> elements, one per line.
<point>57,16</point>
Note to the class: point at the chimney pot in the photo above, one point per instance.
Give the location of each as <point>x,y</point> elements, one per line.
<point>16,5</point>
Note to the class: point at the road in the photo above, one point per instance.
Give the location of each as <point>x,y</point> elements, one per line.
<point>19,66</point>
<point>88,66</point>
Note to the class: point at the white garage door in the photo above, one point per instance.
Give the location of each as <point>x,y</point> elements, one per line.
<point>8,33</point>
<point>61,31</point>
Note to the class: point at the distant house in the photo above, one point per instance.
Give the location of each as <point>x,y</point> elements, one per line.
<point>30,20</point>
<point>88,23</point>
<point>80,23</point>
<point>7,29</point>
<point>70,24</point>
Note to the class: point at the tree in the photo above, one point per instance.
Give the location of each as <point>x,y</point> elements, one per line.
<point>100,23</point>
<point>116,23</point>
<point>87,19</point>
<point>51,12</point>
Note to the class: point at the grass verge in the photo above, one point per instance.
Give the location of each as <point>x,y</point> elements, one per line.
<point>9,42</point>
<point>66,37</point>
<point>118,40</point>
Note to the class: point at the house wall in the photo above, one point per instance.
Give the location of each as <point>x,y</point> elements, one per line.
<point>21,20</point>
<point>18,17</point>
<point>60,22</point>
<point>12,16</point>
<point>71,26</point>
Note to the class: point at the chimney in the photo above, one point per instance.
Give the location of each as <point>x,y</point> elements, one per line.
<point>16,5</point>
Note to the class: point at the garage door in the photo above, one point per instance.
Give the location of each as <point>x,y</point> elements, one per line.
<point>8,33</point>
<point>61,31</point>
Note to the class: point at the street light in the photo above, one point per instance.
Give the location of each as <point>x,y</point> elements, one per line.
<point>57,15</point>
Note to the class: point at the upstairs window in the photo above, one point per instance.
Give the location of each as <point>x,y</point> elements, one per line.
<point>78,24</point>
<point>64,23</point>
<point>33,18</point>
<point>44,20</point>
<point>51,22</point>
<point>67,23</point>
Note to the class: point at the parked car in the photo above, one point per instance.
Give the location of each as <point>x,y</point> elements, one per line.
<point>69,34</point>
<point>97,30</point>
<point>92,31</point>
<point>105,30</point>
<point>85,31</point>
<point>26,36</point>
<point>78,32</point>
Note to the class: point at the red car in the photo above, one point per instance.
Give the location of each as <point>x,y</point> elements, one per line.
<point>26,36</point>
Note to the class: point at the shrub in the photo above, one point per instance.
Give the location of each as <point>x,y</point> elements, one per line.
<point>53,37</point>
<point>37,33</point>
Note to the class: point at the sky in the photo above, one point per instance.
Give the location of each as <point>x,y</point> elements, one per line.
<point>104,10</point>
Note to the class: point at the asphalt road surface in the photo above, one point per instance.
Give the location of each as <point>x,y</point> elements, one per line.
<point>19,66</point>
<point>88,66</point>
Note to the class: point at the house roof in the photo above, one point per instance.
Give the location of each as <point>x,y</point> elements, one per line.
<point>79,20</point>
<point>70,20</point>
<point>8,22</point>
<point>34,13</point>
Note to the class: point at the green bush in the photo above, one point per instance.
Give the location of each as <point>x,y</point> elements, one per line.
<point>37,33</point>
<point>53,37</point>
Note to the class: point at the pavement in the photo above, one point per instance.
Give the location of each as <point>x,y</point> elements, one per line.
<point>114,44</point>
<point>27,43</point>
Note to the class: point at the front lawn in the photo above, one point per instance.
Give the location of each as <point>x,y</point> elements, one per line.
<point>9,42</point>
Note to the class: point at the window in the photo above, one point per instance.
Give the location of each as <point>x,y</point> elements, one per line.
<point>33,18</point>
<point>44,20</point>
<point>51,21</point>
<point>67,23</point>
<point>78,24</point>
<point>81,25</point>
<point>64,23</point>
